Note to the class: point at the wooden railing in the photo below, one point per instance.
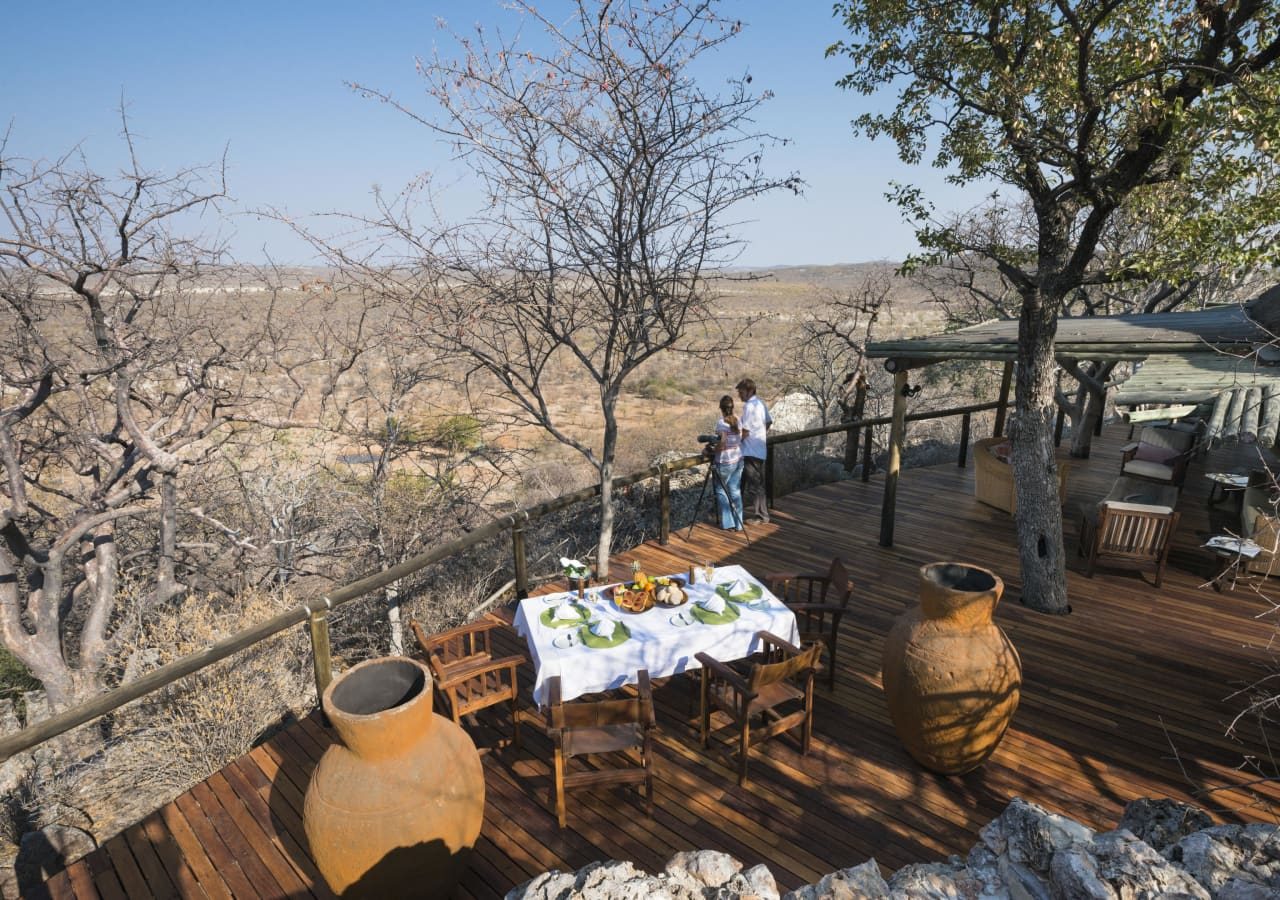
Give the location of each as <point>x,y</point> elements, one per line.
<point>315,612</point>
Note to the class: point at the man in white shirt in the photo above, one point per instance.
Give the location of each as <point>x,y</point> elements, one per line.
<point>754,422</point>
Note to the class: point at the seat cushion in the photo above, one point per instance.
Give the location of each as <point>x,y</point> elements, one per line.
<point>1145,468</point>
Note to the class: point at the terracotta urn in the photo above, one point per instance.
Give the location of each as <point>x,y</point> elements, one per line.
<point>951,676</point>
<point>393,807</point>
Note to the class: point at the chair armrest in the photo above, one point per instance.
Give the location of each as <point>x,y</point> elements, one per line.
<point>817,607</point>
<point>451,675</point>
<point>719,670</point>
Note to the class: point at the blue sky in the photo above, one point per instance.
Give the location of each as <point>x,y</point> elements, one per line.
<point>265,81</point>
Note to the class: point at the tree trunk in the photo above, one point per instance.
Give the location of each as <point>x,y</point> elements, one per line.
<point>1095,403</point>
<point>607,450</point>
<point>851,413</point>
<point>1035,472</point>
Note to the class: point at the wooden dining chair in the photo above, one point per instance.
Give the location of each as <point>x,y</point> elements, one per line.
<point>604,728</point>
<point>819,602</point>
<point>468,676</point>
<point>780,675</point>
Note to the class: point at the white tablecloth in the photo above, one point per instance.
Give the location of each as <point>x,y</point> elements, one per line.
<point>658,641</point>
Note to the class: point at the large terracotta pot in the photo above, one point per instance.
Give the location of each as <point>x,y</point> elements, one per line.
<point>951,676</point>
<point>393,808</point>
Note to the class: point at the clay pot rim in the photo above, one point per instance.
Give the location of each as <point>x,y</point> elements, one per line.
<point>331,709</point>
<point>997,583</point>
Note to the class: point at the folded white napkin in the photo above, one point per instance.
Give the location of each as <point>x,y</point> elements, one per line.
<point>565,611</point>
<point>712,604</point>
<point>604,628</point>
<point>739,587</point>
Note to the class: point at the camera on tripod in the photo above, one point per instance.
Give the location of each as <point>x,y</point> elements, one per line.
<point>711,444</point>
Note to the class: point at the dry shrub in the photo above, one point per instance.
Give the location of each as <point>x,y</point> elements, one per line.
<point>182,734</point>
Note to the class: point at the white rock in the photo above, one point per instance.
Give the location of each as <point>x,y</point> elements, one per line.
<point>860,882</point>
<point>709,868</point>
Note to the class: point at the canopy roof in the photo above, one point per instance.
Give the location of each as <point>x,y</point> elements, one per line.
<point>1235,329</point>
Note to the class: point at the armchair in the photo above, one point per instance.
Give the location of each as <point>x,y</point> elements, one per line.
<point>467,676</point>
<point>1260,523</point>
<point>993,474</point>
<point>781,674</point>
<point>1129,534</point>
<point>819,602</point>
<point>1160,455</point>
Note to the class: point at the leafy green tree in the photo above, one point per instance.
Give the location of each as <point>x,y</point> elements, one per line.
<point>1089,110</point>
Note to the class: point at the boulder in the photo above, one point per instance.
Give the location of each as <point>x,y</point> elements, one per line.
<point>1029,835</point>
<point>862,882</point>
<point>44,852</point>
<point>795,412</point>
<point>1247,854</point>
<point>1162,823</point>
<point>1119,866</point>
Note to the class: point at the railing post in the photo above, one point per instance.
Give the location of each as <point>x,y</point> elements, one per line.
<point>1002,409</point>
<point>768,476</point>
<point>664,506</point>
<point>321,658</point>
<point>519,559</point>
<point>964,441</point>
<point>866,455</point>
<point>897,431</point>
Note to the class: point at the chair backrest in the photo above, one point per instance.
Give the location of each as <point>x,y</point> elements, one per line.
<point>599,713</point>
<point>765,674</point>
<point>1134,529</point>
<point>453,645</point>
<point>1180,441</point>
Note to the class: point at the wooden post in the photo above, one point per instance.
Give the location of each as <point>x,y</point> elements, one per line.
<point>518,556</point>
<point>866,455</point>
<point>964,441</point>
<point>321,659</point>
<point>896,432</point>
<point>1005,380</point>
<point>1057,427</point>
<point>664,507</point>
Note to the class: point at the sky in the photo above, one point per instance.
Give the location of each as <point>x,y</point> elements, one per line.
<point>266,83</point>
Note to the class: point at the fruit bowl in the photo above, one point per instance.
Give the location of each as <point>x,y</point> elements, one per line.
<point>630,600</point>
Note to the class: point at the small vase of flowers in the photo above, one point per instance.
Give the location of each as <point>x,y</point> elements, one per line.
<point>578,573</point>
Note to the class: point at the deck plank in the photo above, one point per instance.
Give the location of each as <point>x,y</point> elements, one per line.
<point>1110,693</point>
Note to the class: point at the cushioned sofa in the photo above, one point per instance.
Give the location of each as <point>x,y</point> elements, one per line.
<point>1260,522</point>
<point>993,475</point>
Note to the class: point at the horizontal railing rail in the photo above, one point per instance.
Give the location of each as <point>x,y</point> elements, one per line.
<point>315,612</point>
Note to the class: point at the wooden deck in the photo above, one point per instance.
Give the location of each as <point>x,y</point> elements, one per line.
<point>1129,696</point>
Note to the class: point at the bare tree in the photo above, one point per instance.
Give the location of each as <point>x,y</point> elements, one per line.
<point>826,358</point>
<point>609,174</point>
<point>116,378</point>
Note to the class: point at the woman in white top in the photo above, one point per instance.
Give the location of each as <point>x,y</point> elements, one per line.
<point>728,463</point>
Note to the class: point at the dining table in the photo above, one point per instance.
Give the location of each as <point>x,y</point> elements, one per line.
<point>570,635</point>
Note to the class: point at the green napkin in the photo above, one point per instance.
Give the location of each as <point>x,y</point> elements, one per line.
<point>707,617</point>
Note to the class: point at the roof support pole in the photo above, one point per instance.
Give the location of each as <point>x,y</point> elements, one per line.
<point>1005,380</point>
<point>897,429</point>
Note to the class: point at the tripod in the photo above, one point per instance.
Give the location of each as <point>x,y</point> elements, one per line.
<point>713,472</point>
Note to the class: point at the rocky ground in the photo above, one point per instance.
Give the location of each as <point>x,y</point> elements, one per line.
<point>1160,849</point>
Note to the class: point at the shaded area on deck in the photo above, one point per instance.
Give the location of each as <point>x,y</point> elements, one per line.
<point>1127,697</point>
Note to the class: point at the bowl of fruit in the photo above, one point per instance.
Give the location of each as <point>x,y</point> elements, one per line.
<point>630,599</point>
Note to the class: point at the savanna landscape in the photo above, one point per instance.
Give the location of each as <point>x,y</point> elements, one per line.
<point>193,445</point>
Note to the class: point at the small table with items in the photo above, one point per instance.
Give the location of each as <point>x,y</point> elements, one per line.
<point>572,637</point>
<point>1230,556</point>
<point>1226,484</point>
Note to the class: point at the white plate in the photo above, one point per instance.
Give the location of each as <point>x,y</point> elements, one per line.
<point>681,619</point>
<point>566,640</point>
